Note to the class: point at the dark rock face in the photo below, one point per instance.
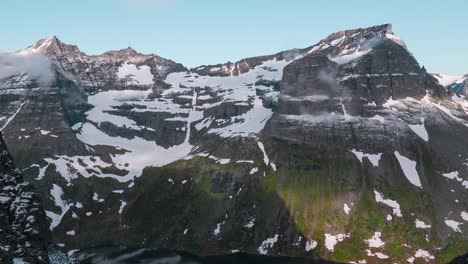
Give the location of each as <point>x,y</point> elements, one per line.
<point>227,110</point>
<point>388,71</point>
<point>42,126</point>
<point>309,86</point>
<point>315,87</point>
<point>156,128</point>
<point>24,233</point>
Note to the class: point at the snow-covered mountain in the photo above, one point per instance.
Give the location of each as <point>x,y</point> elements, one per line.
<point>446,80</point>
<point>458,84</point>
<point>342,149</point>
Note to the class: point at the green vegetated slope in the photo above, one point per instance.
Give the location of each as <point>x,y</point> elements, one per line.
<point>204,207</point>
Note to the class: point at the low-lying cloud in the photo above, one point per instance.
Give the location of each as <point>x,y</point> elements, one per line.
<point>36,66</point>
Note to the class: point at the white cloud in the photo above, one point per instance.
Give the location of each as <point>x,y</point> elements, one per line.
<point>36,66</point>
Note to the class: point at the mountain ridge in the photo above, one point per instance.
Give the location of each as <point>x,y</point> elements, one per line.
<point>384,30</point>
<point>340,150</point>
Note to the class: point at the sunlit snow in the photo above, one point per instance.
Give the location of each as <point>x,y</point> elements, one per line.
<point>136,74</point>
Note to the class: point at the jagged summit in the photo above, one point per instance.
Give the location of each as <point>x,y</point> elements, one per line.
<point>54,46</point>
<point>50,46</point>
<point>340,46</point>
<point>93,71</point>
<point>124,54</point>
<point>127,51</point>
<point>336,44</point>
<point>378,29</point>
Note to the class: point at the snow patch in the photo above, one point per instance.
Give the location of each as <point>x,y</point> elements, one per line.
<point>464,216</point>
<point>217,230</point>
<point>375,241</point>
<point>265,156</point>
<point>250,224</point>
<point>373,158</point>
<point>421,254</point>
<point>332,240</point>
<point>56,192</point>
<point>7,122</point>
<point>455,176</point>
<point>421,224</point>
<point>136,74</point>
<point>396,207</point>
<point>377,254</point>
<point>349,57</point>
<point>453,224</point>
<point>311,244</point>
<point>420,130</point>
<point>253,171</point>
<point>409,169</point>
<point>122,206</point>
<point>268,243</point>
<point>346,209</point>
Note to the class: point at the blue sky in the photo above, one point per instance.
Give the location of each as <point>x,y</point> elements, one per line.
<point>196,32</point>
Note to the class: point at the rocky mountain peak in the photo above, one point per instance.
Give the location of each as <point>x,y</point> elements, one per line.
<point>349,44</point>
<point>93,71</point>
<point>50,47</point>
<point>44,44</point>
<point>53,47</point>
<point>343,45</point>
<point>122,53</point>
<point>380,30</point>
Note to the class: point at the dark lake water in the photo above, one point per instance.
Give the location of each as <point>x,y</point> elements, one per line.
<point>111,255</point>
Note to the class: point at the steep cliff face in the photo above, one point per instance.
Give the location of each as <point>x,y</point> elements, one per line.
<point>24,234</point>
<point>372,135</point>
<point>342,150</point>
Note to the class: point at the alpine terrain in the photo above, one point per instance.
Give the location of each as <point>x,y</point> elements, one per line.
<point>347,150</point>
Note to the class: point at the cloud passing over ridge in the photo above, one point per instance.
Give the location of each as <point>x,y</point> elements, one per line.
<point>37,66</point>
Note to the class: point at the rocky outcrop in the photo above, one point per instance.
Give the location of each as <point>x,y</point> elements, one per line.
<point>24,232</point>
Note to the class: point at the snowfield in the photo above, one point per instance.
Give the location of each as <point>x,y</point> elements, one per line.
<point>136,74</point>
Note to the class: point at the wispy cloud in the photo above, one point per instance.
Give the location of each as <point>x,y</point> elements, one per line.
<point>36,66</point>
